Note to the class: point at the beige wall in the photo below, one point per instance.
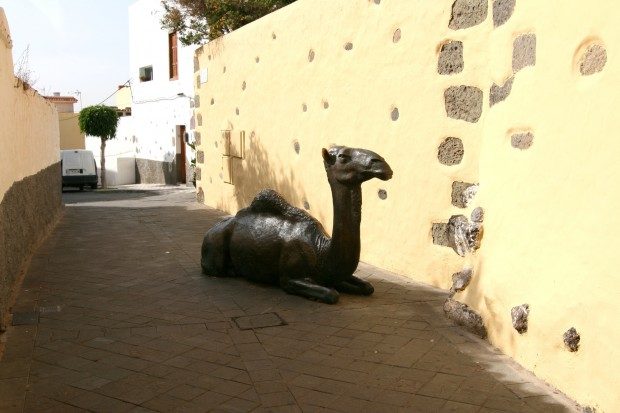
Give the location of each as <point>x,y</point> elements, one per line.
<point>552,210</point>
<point>361,87</point>
<point>70,135</point>
<point>29,140</point>
<point>123,97</point>
<point>549,210</point>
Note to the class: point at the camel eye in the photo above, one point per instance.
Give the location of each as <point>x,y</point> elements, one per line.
<point>375,160</point>
<point>343,158</point>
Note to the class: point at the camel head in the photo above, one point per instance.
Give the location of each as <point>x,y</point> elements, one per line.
<point>352,166</point>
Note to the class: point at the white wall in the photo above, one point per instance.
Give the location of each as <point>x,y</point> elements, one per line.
<point>120,159</point>
<point>157,107</point>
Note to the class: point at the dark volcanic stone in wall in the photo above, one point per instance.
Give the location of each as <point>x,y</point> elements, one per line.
<point>464,103</point>
<point>149,171</point>
<point>463,193</point>
<point>571,339</point>
<point>440,234</point>
<point>499,93</point>
<point>523,51</point>
<point>502,10</point>
<point>464,316</point>
<point>460,280</point>
<point>468,13</point>
<point>519,316</point>
<point>450,58</point>
<point>593,59</point>
<point>28,211</point>
<point>450,151</point>
<point>522,140</point>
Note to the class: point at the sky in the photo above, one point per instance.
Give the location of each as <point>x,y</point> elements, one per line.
<point>73,45</point>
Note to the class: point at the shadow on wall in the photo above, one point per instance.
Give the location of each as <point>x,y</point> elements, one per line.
<point>258,171</point>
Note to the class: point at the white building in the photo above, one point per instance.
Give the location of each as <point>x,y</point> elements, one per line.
<point>155,135</point>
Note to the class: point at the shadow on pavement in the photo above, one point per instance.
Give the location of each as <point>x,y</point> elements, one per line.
<point>121,316</point>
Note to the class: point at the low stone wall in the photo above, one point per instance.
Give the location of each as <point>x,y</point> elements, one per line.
<point>149,171</point>
<point>28,212</point>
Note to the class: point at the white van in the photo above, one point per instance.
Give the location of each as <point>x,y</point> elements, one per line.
<point>78,168</point>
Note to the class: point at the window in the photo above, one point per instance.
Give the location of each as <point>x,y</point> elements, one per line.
<point>172,56</point>
<point>146,73</point>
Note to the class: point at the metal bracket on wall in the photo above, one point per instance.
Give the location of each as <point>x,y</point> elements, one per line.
<point>230,151</point>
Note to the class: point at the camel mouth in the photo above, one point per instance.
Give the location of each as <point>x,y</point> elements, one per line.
<point>384,174</point>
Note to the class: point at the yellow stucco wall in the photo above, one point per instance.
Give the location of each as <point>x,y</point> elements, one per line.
<point>552,210</point>
<point>29,136</point>
<point>123,97</point>
<point>361,86</point>
<point>549,209</point>
<point>70,135</point>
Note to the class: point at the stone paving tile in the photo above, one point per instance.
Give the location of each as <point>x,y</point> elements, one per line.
<point>127,322</point>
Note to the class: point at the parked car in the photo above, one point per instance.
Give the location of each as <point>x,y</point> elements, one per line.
<point>78,168</point>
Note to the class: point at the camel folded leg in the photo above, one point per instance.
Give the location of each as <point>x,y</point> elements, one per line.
<point>354,285</point>
<point>309,289</point>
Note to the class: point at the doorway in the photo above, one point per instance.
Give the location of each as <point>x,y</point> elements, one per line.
<point>181,159</point>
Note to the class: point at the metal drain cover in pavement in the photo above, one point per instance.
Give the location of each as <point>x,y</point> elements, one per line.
<point>26,318</point>
<point>250,322</point>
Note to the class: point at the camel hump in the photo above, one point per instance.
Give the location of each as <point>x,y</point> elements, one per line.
<point>272,202</point>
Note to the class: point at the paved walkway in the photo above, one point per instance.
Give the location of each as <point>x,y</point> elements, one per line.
<point>114,315</point>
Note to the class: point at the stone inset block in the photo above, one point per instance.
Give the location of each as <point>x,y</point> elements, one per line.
<point>311,55</point>
<point>196,101</point>
<point>522,140</point>
<point>523,51</point>
<point>200,157</point>
<point>457,232</point>
<point>460,280</point>
<point>296,146</point>
<point>593,59</point>
<point>382,194</point>
<point>394,115</point>
<point>463,237</point>
<point>571,339</point>
<point>477,215</point>
<point>502,11</point>
<point>306,204</point>
<point>450,151</point>
<point>450,58</point>
<point>199,119</point>
<point>463,193</point>
<point>519,317</point>
<point>200,195</point>
<point>348,46</point>
<point>440,234</point>
<point>464,103</point>
<point>468,13</point>
<point>464,316</point>
<point>198,173</point>
<point>197,138</point>
<point>396,36</point>
<point>196,64</point>
<point>499,93</point>
<point>243,85</point>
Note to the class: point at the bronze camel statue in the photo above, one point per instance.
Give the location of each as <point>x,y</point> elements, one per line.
<point>274,242</point>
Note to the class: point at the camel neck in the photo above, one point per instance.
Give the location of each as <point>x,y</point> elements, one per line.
<point>344,249</point>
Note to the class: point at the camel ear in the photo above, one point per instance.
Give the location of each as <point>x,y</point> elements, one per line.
<point>327,158</point>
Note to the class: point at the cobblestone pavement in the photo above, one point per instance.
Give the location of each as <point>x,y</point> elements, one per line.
<point>114,315</point>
